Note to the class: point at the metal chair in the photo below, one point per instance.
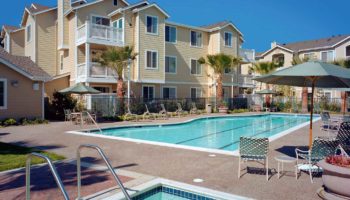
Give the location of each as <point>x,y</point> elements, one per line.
<point>67,115</point>
<point>253,149</point>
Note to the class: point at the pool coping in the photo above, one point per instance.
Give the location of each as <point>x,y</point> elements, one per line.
<point>177,185</point>
<point>179,146</point>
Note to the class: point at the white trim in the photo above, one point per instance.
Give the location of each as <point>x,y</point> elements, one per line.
<point>157,81</point>
<point>170,56</point>
<point>229,24</point>
<point>149,86</point>
<point>138,47</point>
<point>146,25</point>
<point>277,46</point>
<point>152,5</point>
<point>119,10</point>
<point>7,46</point>
<point>229,32</point>
<point>169,87</point>
<point>153,51</point>
<point>190,67</point>
<point>43,100</point>
<point>170,26</point>
<point>91,3</point>
<point>186,26</point>
<point>4,80</point>
<point>196,37</point>
<point>186,83</point>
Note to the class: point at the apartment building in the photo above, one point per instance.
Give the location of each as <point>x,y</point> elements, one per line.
<point>66,40</point>
<point>326,50</point>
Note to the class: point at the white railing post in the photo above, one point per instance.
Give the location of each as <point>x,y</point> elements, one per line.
<point>87,27</point>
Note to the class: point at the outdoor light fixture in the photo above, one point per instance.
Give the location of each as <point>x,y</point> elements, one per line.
<point>14,83</point>
<point>35,86</point>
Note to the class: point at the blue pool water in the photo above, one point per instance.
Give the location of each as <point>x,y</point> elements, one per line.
<point>221,133</point>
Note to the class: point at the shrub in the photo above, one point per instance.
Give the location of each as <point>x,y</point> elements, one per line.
<point>9,122</point>
<point>24,121</point>
<point>58,104</point>
<point>238,111</point>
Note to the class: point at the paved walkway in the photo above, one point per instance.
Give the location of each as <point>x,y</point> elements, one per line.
<point>219,173</point>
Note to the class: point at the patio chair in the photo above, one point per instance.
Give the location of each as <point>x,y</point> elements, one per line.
<point>253,149</point>
<point>67,115</point>
<point>180,111</point>
<point>343,136</point>
<point>320,149</point>
<point>194,109</point>
<point>148,114</point>
<point>329,124</point>
<point>163,113</point>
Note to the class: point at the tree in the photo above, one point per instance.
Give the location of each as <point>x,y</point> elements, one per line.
<point>304,95</point>
<point>117,60</point>
<point>346,64</point>
<point>219,62</point>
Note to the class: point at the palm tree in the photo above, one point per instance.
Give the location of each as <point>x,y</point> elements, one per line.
<point>304,95</point>
<point>219,62</point>
<point>346,64</point>
<point>117,59</point>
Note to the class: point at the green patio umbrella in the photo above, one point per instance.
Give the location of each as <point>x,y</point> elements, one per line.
<point>79,88</point>
<point>310,74</point>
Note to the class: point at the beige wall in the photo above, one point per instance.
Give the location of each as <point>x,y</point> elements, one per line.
<point>56,85</point>
<point>29,49</point>
<point>288,57</point>
<point>340,50</point>
<point>17,43</point>
<point>22,101</point>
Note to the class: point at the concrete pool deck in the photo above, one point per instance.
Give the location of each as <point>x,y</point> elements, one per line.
<point>219,172</point>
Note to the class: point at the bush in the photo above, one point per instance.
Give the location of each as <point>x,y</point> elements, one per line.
<point>238,111</point>
<point>9,122</point>
<point>113,118</point>
<point>25,121</point>
<point>58,104</point>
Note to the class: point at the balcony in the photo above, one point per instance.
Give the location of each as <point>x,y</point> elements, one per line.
<point>95,73</point>
<point>246,81</point>
<point>99,34</point>
<point>247,55</point>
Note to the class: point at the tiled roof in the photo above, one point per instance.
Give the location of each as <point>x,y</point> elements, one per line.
<point>313,44</point>
<point>25,65</point>
<point>216,25</point>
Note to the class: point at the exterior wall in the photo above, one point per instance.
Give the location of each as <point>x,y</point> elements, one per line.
<point>56,85</point>
<point>214,43</point>
<point>288,57</point>
<point>29,49</point>
<point>151,42</point>
<point>46,42</point>
<point>18,98</point>
<point>17,43</point>
<point>340,50</point>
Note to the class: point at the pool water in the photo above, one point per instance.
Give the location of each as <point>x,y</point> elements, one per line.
<point>222,133</point>
<point>168,193</point>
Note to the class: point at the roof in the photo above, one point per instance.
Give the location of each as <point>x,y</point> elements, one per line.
<point>131,7</point>
<point>8,29</point>
<point>35,8</point>
<point>23,65</point>
<point>216,25</point>
<point>152,5</point>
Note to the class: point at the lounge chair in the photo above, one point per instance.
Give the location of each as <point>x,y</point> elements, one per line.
<point>180,111</point>
<point>148,114</point>
<point>194,109</point>
<point>320,149</point>
<point>130,116</point>
<point>163,113</point>
<point>343,136</point>
<point>67,115</point>
<point>253,149</point>
<point>329,124</point>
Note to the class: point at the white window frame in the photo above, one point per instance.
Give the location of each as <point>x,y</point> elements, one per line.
<point>157,63</point>
<point>169,87</point>
<point>230,46</point>
<point>169,34</point>
<point>117,20</point>
<point>29,30</point>
<point>345,51</point>
<point>157,30</point>
<point>175,64</point>
<point>154,91</point>
<point>201,66</point>
<point>195,46</point>
<point>327,52</point>
<point>197,88</point>
<point>4,80</point>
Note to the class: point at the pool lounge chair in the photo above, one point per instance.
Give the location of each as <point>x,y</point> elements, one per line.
<point>148,114</point>
<point>180,111</point>
<point>253,149</point>
<point>320,149</point>
<point>130,116</point>
<point>163,113</point>
<point>343,136</point>
<point>194,109</point>
<point>329,124</point>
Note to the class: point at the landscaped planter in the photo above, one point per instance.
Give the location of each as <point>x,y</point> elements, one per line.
<point>223,110</point>
<point>335,178</point>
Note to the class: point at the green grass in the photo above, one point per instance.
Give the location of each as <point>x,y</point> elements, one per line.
<point>13,156</point>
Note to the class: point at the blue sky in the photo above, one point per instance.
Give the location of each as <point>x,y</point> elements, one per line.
<point>261,21</point>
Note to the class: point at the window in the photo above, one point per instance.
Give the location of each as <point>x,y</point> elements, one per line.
<point>151,59</point>
<point>29,33</point>
<point>228,39</point>
<point>170,34</point>
<point>278,59</point>
<point>119,23</point>
<point>196,93</point>
<point>228,70</point>
<point>170,64</point>
<point>3,93</point>
<point>61,62</point>
<point>196,68</point>
<point>327,56</point>
<point>115,2</point>
<point>196,39</point>
<point>169,92</point>
<point>152,24</point>
<point>347,51</point>
<point>148,92</point>
<point>100,21</point>
<point>310,56</point>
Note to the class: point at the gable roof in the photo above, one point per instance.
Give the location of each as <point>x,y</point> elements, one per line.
<point>131,7</point>
<point>272,49</point>
<point>89,4</point>
<point>316,44</point>
<point>7,29</point>
<point>221,25</point>
<point>23,65</point>
<point>152,5</point>
<point>35,8</point>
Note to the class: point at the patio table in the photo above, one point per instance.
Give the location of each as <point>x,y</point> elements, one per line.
<point>285,159</point>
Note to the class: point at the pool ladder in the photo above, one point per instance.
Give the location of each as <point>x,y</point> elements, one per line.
<point>59,180</point>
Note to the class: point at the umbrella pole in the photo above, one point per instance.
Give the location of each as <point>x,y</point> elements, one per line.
<point>311,111</point>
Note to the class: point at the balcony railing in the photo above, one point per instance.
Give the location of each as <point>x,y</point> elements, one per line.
<point>100,34</point>
<point>95,71</point>
<point>246,80</point>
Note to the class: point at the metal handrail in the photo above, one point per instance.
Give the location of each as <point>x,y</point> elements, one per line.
<point>53,170</point>
<point>95,123</point>
<point>90,146</point>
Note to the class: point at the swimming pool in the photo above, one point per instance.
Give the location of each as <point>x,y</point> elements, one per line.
<point>217,133</point>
